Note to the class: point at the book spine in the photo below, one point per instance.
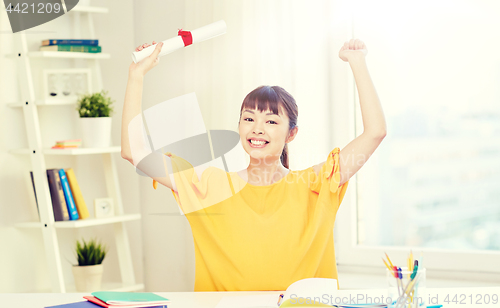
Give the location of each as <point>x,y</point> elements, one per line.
<point>56,193</point>
<point>70,42</point>
<point>72,48</point>
<point>83,212</point>
<point>73,212</point>
<point>34,190</point>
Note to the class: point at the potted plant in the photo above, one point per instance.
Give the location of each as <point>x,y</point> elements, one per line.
<point>88,272</point>
<point>95,117</point>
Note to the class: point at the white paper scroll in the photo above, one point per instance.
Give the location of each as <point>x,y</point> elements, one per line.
<point>171,45</point>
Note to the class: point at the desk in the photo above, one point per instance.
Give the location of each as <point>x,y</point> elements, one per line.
<point>210,299</point>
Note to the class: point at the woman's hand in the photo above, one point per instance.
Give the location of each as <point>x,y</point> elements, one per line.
<point>142,67</point>
<point>352,48</point>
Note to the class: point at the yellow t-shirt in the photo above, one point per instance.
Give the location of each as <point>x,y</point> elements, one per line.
<point>250,237</point>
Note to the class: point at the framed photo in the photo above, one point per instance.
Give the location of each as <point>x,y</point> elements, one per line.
<point>66,84</point>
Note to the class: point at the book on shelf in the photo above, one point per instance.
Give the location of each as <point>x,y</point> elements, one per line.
<point>58,196</point>
<point>64,146</point>
<point>72,48</point>
<point>34,190</point>
<point>70,42</point>
<point>59,206</point>
<point>83,211</point>
<point>67,144</point>
<point>73,212</point>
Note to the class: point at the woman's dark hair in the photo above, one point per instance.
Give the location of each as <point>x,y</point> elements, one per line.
<point>273,98</point>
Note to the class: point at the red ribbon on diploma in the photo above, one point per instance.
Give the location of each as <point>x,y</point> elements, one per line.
<point>187,38</point>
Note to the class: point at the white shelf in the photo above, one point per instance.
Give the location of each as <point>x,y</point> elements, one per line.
<point>116,286</point>
<point>89,9</point>
<point>47,102</point>
<point>63,54</point>
<point>68,54</point>
<point>77,151</point>
<point>106,286</point>
<point>81,223</point>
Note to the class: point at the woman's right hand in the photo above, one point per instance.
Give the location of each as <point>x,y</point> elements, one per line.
<point>142,67</point>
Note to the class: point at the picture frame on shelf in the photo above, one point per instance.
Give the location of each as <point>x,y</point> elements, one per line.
<point>66,84</point>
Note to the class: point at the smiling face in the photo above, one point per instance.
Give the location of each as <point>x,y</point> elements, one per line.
<point>263,134</point>
<point>268,116</point>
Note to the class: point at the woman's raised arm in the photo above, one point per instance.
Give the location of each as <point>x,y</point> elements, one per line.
<point>355,154</point>
<point>133,146</point>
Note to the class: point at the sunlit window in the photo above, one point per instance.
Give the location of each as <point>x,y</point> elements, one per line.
<point>435,179</point>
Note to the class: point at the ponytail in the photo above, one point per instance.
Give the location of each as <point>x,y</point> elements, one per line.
<point>284,156</point>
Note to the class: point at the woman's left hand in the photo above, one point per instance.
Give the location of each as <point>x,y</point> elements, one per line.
<point>352,48</point>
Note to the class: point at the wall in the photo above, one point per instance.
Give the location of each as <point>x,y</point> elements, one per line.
<point>22,258</point>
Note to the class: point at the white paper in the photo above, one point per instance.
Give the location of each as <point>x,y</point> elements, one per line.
<point>311,288</point>
<point>249,301</point>
<point>204,33</point>
<point>305,288</point>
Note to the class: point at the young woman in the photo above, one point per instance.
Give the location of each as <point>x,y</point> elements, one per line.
<point>265,227</point>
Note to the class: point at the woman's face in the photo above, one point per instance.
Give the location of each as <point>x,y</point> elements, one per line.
<point>272,128</point>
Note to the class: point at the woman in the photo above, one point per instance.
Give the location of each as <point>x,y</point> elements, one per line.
<point>266,226</point>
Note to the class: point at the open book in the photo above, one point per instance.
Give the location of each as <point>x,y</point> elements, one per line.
<point>309,292</point>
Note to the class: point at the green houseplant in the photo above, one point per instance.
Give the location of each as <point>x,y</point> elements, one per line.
<point>95,111</point>
<point>88,272</point>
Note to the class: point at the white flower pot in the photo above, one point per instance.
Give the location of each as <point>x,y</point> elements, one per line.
<point>88,278</point>
<point>96,132</point>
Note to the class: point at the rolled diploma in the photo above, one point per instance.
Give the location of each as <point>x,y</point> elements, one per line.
<point>171,45</point>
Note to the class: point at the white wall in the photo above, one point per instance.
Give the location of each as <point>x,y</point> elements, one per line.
<point>22,260</point>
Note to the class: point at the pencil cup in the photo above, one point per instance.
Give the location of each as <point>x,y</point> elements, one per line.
<point>406,292</point>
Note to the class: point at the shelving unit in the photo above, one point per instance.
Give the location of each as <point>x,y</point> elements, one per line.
<point>89,222</point>
<point>46,102</point>
<point>48,226</point>
<point>80,151</point>
<point>67,55</point>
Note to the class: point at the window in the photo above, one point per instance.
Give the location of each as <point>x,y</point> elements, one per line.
<point>434,182</point>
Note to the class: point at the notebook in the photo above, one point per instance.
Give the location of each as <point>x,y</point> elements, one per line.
<point>137,299</point>
<point>99,303</point>
<point>85,304</point>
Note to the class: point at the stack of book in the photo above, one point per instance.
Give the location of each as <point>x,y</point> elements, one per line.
<point>67,199</point>
<point>91,46</point>
<point>127,299</point>
<point>120,300</point>
<point>68,144</point>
